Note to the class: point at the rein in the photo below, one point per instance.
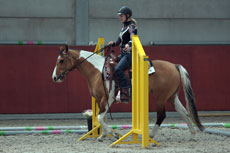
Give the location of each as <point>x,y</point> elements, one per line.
<point>107,99</point>
<point>98,51</point>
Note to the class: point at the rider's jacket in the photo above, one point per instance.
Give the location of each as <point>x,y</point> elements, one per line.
<point>125,36</point>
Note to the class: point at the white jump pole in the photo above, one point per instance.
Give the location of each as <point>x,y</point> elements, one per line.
<point>5,133</point>
<point>39,128</point>
<point>227,125</point>
<point>82,129</point>
<point>207,130</point>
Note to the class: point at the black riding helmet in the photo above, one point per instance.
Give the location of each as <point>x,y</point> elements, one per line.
<point>125,10</point>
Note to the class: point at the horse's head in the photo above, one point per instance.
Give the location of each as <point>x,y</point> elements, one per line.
<point>64,65</point>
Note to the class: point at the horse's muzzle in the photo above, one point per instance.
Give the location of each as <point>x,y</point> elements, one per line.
<point>55,79</point>
<point>59,78</point>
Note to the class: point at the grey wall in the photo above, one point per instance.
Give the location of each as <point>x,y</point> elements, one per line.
<point>37,20</point>
<point>81,21</point>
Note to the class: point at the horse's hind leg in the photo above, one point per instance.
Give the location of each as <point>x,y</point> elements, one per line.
<point>160,117</point>
<point>184,114</point>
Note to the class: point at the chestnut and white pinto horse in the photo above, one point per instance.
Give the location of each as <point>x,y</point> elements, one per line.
<point>164,84</point>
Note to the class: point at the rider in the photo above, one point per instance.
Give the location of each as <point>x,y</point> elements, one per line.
<point>125,39</point>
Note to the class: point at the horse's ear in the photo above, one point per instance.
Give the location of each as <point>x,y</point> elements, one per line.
<point>64,49</point>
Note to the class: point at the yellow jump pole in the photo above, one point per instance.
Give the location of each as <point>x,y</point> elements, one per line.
<point>140,100</point>
<point>96,127</point>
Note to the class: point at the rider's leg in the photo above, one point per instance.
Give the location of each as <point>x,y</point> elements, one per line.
<point>123,64</point>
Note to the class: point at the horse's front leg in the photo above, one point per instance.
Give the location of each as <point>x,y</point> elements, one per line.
<point>104,126</point>
<point>101,119</point>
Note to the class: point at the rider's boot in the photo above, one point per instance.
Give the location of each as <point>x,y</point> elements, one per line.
<point>125,95</point>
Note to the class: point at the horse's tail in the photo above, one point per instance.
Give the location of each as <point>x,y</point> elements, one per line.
<point>189,96</point>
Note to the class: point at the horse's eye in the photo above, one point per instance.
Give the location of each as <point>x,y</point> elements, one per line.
<point>61,61</point>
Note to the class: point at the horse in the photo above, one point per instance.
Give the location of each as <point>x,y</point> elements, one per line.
<point>164,84</point>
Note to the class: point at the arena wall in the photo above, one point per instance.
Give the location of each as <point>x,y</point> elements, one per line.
<point>27,86</point>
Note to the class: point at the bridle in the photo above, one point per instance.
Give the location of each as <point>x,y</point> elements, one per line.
<point>63,74</point>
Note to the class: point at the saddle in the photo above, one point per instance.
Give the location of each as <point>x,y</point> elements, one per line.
<point>111,61</point>
<point>108,72</point>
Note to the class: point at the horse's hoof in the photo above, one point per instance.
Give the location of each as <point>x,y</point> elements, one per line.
<point>99,140</point>
<point>151,136</point>
<point>116,135</point>
<point>192,138</point>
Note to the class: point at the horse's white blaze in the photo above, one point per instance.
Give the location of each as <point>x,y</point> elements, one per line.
<point>54,75</point>
<point>96,60</point>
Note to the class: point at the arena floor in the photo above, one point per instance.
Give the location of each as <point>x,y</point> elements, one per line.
<point>170,139</point>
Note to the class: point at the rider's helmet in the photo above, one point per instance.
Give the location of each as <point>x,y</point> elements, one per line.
<point>125,10</point>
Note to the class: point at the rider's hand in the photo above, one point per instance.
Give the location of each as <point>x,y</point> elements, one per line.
<point>111,43</point>
<point>127,48</point>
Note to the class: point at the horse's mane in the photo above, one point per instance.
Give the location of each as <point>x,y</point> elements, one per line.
<point>61,51</point>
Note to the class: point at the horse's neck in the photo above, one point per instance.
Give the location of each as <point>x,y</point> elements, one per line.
<point>96,60</point>
<point>91,65</point>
